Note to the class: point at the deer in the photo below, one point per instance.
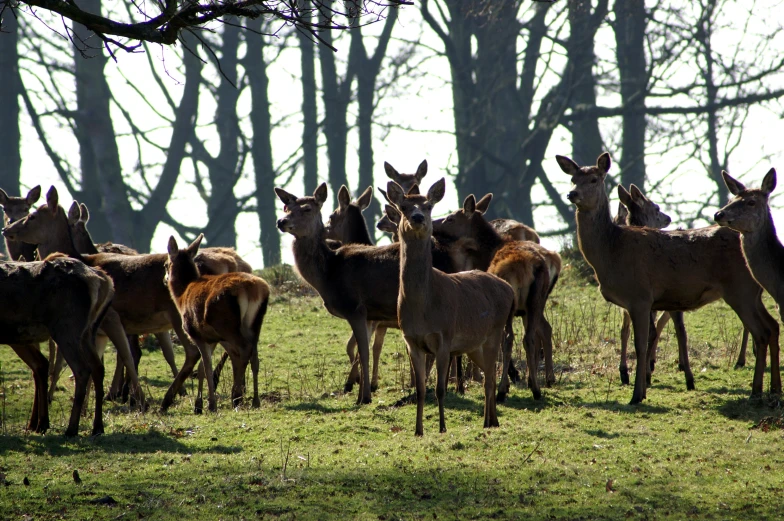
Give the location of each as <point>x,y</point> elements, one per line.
<point>445,314</point>
<point>227,308</point>
<point>528,267</point>
<point>511,230</point>
<point>406,181</point>
<point>644,270</point>
<point>63,299</point>
<point>748,213</point>
<point>14,209</point>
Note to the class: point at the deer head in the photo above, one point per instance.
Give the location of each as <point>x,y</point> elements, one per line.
<point>336,223</point>
<point>16,208</point>
<point>642,211</point>
<point>460,223</point>
<point>181,266</point>
<point>406,181</point>
<point>415,210</point>
<point>748,211</point>
<point>588,192</point>
<point>39,224</point>
<point>303,214</point>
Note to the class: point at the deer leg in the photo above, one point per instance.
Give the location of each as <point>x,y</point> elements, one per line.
<point>39,365</point>
<point>167,348</point>
<point>254,368</point>
<point>506,356</point>
<point>378,344</point>
<point>435,344</point>
<point>191,357</point>
<point>216,372</point>
<point>763,328</point>
<point>417,357</point>
<point>531,353</point>
<point>56,364</point>
<point>487,358</point>
<point>359,326</point>
<point>353,375</point>
<point>97,375</point>
<point>641,319</point>
<point>239,363</point>
<point>661,323</point>
<point>545,338</point>
<point>625,332</point>
<point>206,372</point>
<point>683,348</point>
<point>112,326</point>
<point>136,352</point>
<point>459,374</point>
<point>651,353</point>
<point>775,370</point>
<point>81,372</point>
<point>742,354</point>
<point>198,403</point>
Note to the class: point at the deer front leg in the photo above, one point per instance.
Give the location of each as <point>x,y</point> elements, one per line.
<point>417,357</point>
<point>254,368</point>
<point>205,350</point>
<point>353,375</point>
<point>506,356</point>
<point>359,326</point>
<point>112,326</point>
<point>683,348</point>
<point>437,344</point>
<point>743,345</point>
<point>625,332</point>
<point>191,357</point>
<point>641,318</point>
<point>378,344</point>
<point>56,364</point>
<point>545,338</point>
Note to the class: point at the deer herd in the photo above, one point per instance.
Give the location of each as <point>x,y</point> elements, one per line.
<point>453,286</point>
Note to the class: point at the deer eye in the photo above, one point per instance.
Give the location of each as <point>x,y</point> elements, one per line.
<point>306,209</point>
<point>593,181</point>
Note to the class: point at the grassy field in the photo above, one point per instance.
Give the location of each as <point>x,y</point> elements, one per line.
<point>311,453</point>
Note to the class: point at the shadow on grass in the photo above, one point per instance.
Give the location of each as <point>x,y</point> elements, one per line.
<point>118,443</point>
<point>751,409</point>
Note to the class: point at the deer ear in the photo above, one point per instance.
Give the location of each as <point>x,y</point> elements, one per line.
<point>623,214</point>
<point>603,163</point>
<point>383,192</point>
<point>74,213</point>
<point>84,213</point>
<point>193,248</point>
<point>469,205</point>
<point>33,195</point>
<point>436,192</point>
<point>344,198</point>
<point>624,196</point>
<point>3,197</point>
<point>414,190</point>
<point>567,165</point>
<point>483,203</point>
<point>320,194</point>
<point>173,248</point>
<point>769,183</point>
<point>52,200</point>
<point>421,171</point>
<point>391,172</point>
<point>392,214</point>
<point>363,201</point>
<point>733,185</point>
<point>395,193</point>
<point>636,194</point>
<point>286,197</point>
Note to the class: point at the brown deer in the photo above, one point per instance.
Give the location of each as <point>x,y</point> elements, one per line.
<point>528,267</point>
<point>63,299</point>
<point>406,181</point>
<point>748,213</point>
<point>511,230</point>
<point>643,269</point>
<point>227,308</point>
<point>445,314</point>
<point>15,208</point>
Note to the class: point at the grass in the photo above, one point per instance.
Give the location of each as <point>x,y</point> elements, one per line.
<point>311,453</point>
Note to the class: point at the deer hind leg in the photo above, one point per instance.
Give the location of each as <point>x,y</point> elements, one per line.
<point>641,320</point>
<point>359,326</point>
<point>545,339</point>
<point>623,368</point>
<point>651,352</point>
<point>191,357</point>
<point>742,354</point>
<point>378,344</point>
<point>254,369</point>
<point>167,349</point>
<point>353,359</point>
<point>56,364</point>
<point>39,365</point>
<point>487,359</point>
<point>436,344</point>
<point>81,372</point>
<point>418,363</point>
<point>764,330</point>
<point>507,340</point>
<point>218,369</point>
<point>683,348</point>
<point>206,372</point>
<point>112,326</point>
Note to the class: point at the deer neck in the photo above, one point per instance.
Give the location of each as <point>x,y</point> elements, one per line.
<point>356,229</point>
<point>312,256</point>
<point>488,242</point>
<point>59,240</point>
<point>181,275</point>
<point>595,235</point>
<point>765,256</point>
<point>416,273</point>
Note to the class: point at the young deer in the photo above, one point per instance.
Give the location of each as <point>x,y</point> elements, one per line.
<point>14,209</point>
<point>529,268</point>
<point>63,299</point>
<point>511,230</point>
<point>444,315</point>
<point>749,214</point>
<point>406,181</point>
<point>226,308</point>
<point>643,269</point>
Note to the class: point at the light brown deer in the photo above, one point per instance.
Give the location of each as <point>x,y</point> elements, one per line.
<point>226,308</point>
<point>15,208</point>
<point>528,267</point>
<point>63,299</point>
<point>643,269</point>
<point>512,230</point>
<point>749,214</point>
<point>445,314</point>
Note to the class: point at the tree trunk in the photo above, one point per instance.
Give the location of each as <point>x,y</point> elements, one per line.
<point>630,22</point>
<point>310,126</point>
<point>10,88</point>
<point>261,147</point>
<point>103,188</point>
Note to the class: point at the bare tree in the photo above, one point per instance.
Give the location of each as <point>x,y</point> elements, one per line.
<point>10,91</point>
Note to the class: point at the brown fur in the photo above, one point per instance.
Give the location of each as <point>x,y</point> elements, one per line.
<point>14,209</point>
<point>445,314</point>
<point>227,308</point>
<point>642,269</point>
<point>63,299</point>
<point>511,230</point>
<point>406,181</point>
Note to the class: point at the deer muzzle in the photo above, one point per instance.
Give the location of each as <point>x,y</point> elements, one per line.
<point>720,217</point>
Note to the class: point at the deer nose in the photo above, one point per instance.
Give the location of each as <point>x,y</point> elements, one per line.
<point>418,218</point>
<point>281,224</point>
<point>572,195</point>
<point>718,216</point>
<point>6,233</point>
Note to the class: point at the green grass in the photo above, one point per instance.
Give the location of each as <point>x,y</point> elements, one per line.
<point>311,453</point>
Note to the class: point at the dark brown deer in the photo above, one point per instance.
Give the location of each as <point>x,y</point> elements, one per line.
<point>63,299</point>
<point>406,181</point>
<point>226,308</point>
<point>15,208</point>
<point>528,267</point>
<point>748,213</point>
<point>643,269</point>
<point>445,314</point>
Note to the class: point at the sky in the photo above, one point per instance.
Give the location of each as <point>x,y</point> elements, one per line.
<point>425,104</point>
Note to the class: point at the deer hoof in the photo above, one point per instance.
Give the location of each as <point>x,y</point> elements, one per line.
<point>197,406</point>
<point>256,403</point>
<point>537,394</point>
<point>500,397</point>
<point>213,406</point>
<point>364,401</point>
<point>741,364</point>
<point>348,387</point>
<point>514,374</point>
<point>182,391</point>
<point>71,433</point>
<point>624,377</point>
<point>374,387</point>
<point>690,384</point>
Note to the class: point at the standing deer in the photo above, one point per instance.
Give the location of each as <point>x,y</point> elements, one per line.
<point>749,214</point>
<point>643,269</point>
<point>14,209</point>
<point>445,314</point>
<point>63,299</point>
<point>227,308</point>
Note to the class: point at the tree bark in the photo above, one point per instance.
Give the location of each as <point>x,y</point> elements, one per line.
<point>310,126</point>
<point>10,89</point>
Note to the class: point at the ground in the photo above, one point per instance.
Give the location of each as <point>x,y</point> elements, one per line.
<point>310,453</point>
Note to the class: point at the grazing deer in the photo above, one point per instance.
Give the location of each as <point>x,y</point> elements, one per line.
<point>445,314</point>
<point>14,209</point>
<point>63,299</point>
<point>643,269</point>
<point>749,214</point>
<point>227,308</point>
<point>529,268</point>
<point>511,230</point>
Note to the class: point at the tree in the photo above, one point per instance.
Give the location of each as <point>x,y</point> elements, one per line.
<point>10,91</point>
